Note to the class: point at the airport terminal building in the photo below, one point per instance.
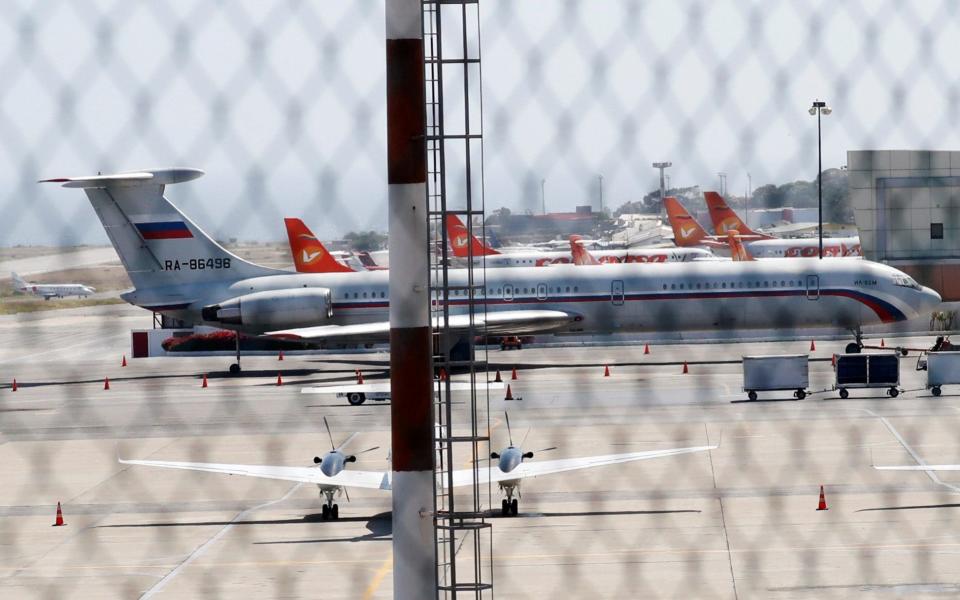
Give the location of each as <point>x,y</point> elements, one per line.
<point>906,204</point>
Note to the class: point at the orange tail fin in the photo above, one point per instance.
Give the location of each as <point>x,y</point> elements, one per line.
<point>309,255</point>
<point>738,251</point>
<point>724,218</point>
<point>686,230</point>
<point>581,256</point>
<point>460,237</point>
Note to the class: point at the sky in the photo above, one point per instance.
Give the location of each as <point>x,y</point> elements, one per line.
<point>282,103</point>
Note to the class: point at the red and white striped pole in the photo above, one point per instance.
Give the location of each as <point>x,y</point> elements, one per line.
<point>411,377</point>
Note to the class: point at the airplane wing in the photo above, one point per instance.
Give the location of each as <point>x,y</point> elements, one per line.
<point>348,478</point>
<point>500,322</point>
<point>536,468</point>
<point>920,468</point>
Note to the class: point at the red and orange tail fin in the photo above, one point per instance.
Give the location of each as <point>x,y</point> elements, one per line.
<point>686,230</point>
<point>738,251</point>
<point>724,218</point>
<point>309,255</point>
<point>581,256</point>
<point>460,237</point>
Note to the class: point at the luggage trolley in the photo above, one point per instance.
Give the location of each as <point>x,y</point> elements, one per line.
<point>867,371</point>
<point>943,368</point>
<point>776,372</point>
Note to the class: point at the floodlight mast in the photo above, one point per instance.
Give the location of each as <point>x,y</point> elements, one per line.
<point>663,190</point>
<point>819,107</point>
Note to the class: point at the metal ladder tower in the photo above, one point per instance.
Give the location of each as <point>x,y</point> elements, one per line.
<point>463,531</point>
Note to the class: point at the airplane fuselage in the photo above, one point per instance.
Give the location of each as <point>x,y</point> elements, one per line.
<point>615,298</point>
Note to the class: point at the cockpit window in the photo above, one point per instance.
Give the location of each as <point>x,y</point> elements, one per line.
<point>905,281</point>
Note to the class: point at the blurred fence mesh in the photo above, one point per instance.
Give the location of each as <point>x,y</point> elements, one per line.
<point>282,103</point>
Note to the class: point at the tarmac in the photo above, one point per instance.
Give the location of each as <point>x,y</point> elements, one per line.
<point>736,522</point>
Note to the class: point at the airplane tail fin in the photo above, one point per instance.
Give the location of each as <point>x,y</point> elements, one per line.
<point>460,237</point>
<point>581,256</point>
<point>738,251</point>
<point>686,230</point>
<point>309,255</point>
<point>157,244</point>
<point>724,218</point>
<point>18,282</point>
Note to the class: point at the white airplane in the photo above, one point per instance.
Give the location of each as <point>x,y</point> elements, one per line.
<point>460,239</point>
<point>51,290</point>
<point>178,270</point>
<point>333,477</point>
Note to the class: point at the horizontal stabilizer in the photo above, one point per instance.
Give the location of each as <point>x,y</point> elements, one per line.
<point>133,178</point>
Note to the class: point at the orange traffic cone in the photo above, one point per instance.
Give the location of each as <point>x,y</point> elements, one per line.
<point>280,356</point>
<point>509,394</point>
<point>443,374</point>
<point>882,345</point>
<point>123,362</point>
<point>14,388</point>
<point>823,501</point>
<point>513,375</point>
<point>498,379</point>
<point>59,522</point>
<point>359,377</point>
<point>646,348</point>
<point>606,370</point>
<point>279,379</point>
<point>106,383</point>
<point>686,369</point>
<point>813,345</point>
<point>204,383</point>
<point>833,360</point>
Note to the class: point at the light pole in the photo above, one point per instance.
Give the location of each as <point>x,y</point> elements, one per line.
<point>543,198</point>
<point>600,180</point>
<point>662,166</point>
<point>723,184</point>
<point>819,107</point>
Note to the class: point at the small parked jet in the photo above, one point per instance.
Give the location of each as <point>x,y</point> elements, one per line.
<point>51,290</point>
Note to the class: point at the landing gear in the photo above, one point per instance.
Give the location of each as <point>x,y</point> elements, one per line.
<point>853,348</point>
<point>856,345</point>
<point>235,367</point>
<point>509,506</point>
<point>330,509</point>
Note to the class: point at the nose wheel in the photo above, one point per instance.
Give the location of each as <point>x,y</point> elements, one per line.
<point>330,509</point>
<point>509,506</point>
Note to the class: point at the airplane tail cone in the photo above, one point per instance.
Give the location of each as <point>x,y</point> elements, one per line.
<point>606,370</point>
<point>14,388</point>
<point>646,348</point>
<point>59,522</point>
<point>514,375</point>
<point>204,383</point>
<point>123,362</point>
<point>106,383</point>
<point>279,379</point>
<point>813,345</point>
<point>509,394</point>
<point>822,505</point>
<point>498,379</point>
<point>686,369</point>
<point>280,356</point>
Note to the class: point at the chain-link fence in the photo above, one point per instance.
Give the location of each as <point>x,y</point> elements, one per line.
<point>283,104</point>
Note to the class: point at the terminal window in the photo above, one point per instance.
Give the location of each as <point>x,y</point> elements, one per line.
<point>936,231</point>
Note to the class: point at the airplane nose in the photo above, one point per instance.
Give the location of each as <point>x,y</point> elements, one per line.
<point>931,299</point>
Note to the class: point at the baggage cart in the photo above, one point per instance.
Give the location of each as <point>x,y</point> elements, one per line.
<point>943,368</point>
<point>867,371</point>
<point>776,372</point>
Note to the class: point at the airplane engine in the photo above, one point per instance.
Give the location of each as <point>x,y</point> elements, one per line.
<point>274,309</point>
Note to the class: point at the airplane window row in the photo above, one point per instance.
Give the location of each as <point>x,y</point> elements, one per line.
<point>733,285</point>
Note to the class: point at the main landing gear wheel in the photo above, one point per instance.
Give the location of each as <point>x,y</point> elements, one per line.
<point>234,368</point>
<point>894,392</point>
<point>356,398</point>
<point>325,512</point>
<point>505,507</point>
<point>335,512</point>
<point>844,393</point>
<point>514,507</point>
<point>752,395</point>
<point>853,348</point>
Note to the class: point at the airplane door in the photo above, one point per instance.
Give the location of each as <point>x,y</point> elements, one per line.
<point>813,287</point>
<point>508,293</point>
<point>616,292</point>
<point>541,291</point>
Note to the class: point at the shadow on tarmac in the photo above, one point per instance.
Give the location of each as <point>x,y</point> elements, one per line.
<point>914,507</point>
<point>496,514</point>
<point>379,525</point>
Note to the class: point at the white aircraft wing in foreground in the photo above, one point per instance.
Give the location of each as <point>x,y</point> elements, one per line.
<point>346,478</point>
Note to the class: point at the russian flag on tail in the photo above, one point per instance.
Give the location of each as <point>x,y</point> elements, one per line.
<point>164,230</point>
